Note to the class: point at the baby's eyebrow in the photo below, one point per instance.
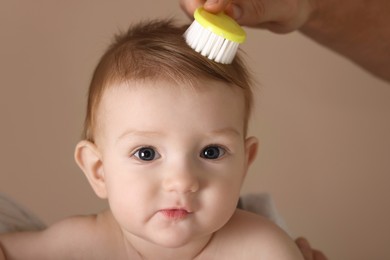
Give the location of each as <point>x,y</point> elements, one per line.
<point>229,131</point>
<point>139,133</point>
<point>226,131</point>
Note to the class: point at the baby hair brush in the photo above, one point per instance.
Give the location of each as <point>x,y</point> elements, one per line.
<point>215,36</point>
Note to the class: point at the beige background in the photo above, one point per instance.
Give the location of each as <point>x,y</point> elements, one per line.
<point>324,123</point>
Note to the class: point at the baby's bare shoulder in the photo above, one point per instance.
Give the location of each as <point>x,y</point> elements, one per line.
<point>68,239</point>
<point>250,236</point>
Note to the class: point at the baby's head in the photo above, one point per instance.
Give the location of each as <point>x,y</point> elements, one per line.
<point>166,136</point>
<point>156,51</point>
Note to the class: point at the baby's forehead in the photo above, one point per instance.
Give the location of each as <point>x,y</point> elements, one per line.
<point>160,90</point>
<point>143,103</point>
<point>184,87</point>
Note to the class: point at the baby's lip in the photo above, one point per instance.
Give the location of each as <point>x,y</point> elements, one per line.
<point>175,213</point>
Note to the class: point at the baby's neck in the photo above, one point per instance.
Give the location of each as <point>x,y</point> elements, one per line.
<point>147,250</point>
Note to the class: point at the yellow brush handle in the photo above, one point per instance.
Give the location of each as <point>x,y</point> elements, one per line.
<point>220,24</point>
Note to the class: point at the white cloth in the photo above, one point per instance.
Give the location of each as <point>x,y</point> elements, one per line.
<point>262,204</point>
<point>14,217</point>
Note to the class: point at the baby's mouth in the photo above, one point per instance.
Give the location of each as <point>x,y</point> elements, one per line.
<point>175,213</point>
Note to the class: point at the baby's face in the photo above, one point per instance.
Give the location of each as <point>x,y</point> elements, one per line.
<point>173,158</point>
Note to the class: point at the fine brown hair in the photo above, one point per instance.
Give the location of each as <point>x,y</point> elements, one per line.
<point>156,50</point>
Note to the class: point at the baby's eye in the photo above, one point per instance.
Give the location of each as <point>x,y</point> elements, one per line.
<point>146,154</point>
<point>212,152</point>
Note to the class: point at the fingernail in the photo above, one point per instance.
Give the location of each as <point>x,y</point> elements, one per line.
<point>237,12</point>
<point>210,2</point>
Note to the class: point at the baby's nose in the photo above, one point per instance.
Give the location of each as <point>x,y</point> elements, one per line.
<point>182,178</point>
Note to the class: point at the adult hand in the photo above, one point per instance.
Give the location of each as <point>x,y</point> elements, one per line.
<point>280,16</point>
<point>352,28</point>
<point>308,252</point>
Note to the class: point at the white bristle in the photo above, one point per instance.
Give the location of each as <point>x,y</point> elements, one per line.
<point>209,44</point>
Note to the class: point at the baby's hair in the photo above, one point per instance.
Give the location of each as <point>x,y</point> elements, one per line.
<point>156,50</point>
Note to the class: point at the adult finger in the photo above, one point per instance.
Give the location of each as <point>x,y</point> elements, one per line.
<point>305,248</point>
<point>280,16</point>
<point>213,6</point>
<point>318,255</point>
<point>189,6</point>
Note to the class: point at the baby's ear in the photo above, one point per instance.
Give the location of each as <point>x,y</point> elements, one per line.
<point>251,147</point>
<point>88,158</point>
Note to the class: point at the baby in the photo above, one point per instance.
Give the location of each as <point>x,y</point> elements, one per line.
<point>165,142</point>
